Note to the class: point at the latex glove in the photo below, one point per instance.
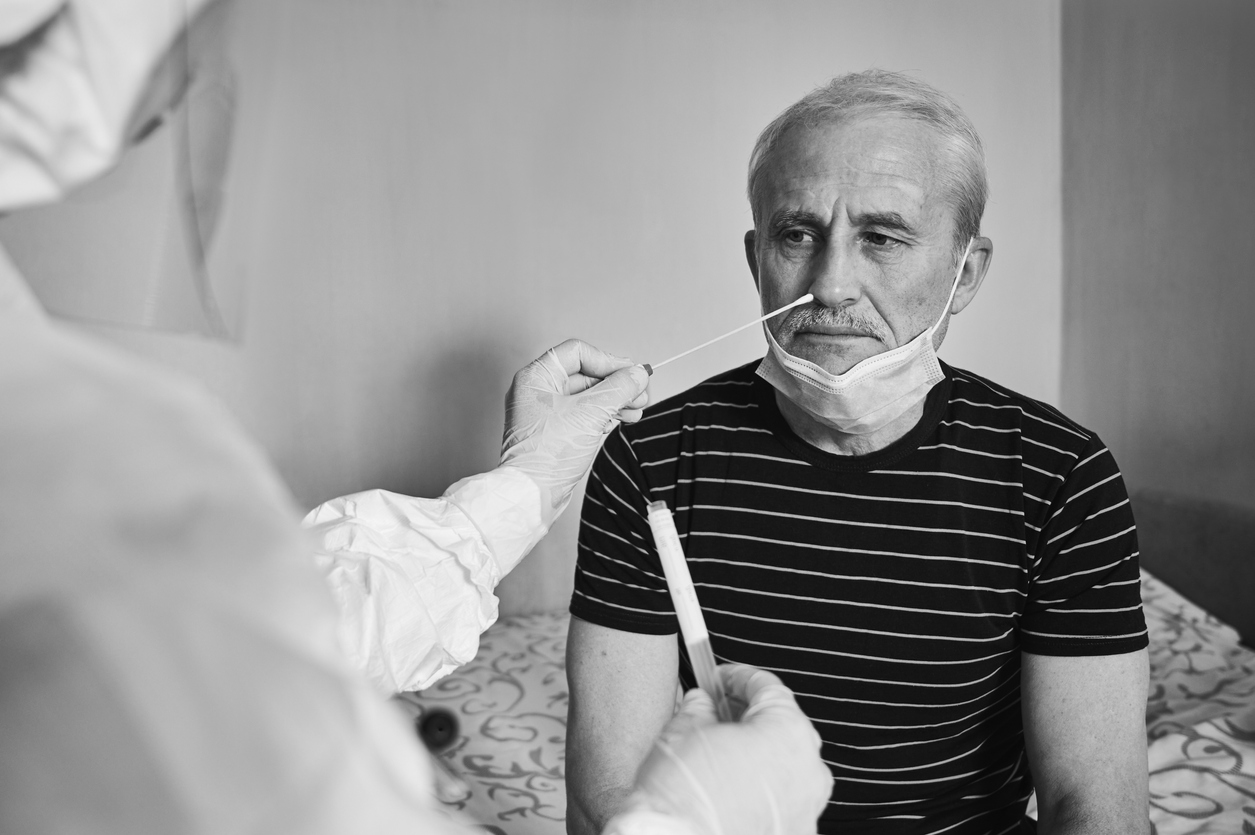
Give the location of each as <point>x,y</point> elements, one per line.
<point>560,407</point>
<point>760,774</point>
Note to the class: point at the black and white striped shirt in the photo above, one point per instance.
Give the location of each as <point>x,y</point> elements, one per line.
<point>892,591</point>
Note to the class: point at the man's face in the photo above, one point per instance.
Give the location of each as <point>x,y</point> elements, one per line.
<point>854,213</point>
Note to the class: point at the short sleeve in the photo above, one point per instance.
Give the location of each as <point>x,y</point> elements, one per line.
<point>1085,594</point>
<point>619,581</point>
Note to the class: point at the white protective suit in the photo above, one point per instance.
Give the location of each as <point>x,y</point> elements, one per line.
<point>170,657</point>
<point>414,578</point>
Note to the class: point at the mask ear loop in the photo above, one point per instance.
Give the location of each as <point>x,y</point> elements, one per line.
<point>954,286</point>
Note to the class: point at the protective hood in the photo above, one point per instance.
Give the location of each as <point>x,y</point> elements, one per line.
<point>71,75</point>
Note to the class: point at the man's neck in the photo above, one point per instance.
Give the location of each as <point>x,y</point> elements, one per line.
<point>824,437</point>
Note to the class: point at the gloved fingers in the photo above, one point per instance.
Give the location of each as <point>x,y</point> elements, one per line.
<point>549,373</point>
<point>572,367</point>
<point>751,687</point>
<point>580,382</point>
<point>820,781</point>
<point>767,700</point>
<point>629,415</point>
<point>754,686</point>
<point>743,778</point>
<point>20,19</point>
<point>697,709</point>
<point>697,704</point>
<point>577,356</point>
<point>774,709</point>
<point>622,389</point>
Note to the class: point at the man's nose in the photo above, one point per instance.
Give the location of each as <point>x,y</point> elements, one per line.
<point>834,277</point>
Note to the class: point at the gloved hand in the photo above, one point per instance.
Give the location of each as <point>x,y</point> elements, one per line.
<point>760,775</point>
<point>560,407</point>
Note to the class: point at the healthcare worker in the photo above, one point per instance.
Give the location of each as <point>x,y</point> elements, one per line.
<point>170,660</point>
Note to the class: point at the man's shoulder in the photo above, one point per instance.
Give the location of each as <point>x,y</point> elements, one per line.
<point>974,397</point>
<point>730,391</point>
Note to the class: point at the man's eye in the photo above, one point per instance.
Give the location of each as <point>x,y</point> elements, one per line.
<point>796,236</point>
<point>880,240</point>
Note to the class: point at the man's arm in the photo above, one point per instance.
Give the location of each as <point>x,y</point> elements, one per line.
<point>1085,731</point>
<point>623,691</point>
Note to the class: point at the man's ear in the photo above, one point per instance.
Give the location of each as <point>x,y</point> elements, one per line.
<point>751,256</point>
<point>978,258</point>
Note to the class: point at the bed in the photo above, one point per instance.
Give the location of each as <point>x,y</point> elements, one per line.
<point>511,700</point>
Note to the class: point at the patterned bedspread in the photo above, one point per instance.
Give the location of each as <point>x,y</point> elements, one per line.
<point>1200,719</point>
<point>511,702</point>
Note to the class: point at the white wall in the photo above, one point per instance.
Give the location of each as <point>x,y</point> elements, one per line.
<point>428,194</point>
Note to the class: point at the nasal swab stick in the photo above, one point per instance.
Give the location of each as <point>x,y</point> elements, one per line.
<point>652,367</point>
<point>684,597</point>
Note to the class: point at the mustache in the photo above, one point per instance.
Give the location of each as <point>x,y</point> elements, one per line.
<point>807,315</point>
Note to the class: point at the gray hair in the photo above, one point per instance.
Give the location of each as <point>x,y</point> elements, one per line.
<point>883,92</point>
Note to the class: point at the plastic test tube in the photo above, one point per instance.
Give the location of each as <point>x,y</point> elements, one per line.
<point>684,597</point>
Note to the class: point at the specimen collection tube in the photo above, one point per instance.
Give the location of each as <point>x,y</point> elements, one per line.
<point>684,598</point>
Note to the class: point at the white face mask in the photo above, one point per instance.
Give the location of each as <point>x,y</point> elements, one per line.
<point>873,393</point>
<point>66,105</point>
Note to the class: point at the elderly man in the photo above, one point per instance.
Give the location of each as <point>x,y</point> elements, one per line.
<point>944,571</point>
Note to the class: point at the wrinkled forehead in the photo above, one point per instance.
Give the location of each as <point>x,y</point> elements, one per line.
<point>871,163</point>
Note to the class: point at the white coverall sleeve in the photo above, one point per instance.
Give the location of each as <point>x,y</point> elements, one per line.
<point>414,578</point>
<point>168,655</point>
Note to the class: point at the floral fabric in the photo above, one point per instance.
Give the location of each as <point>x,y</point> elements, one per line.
<point>511,703</point>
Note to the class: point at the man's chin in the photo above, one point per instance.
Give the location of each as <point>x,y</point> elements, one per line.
<point>836,361</point>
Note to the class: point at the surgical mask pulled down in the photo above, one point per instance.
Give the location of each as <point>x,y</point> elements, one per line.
<point>873,393</point>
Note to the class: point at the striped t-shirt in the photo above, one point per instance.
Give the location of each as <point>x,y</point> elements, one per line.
<point>893,592</point>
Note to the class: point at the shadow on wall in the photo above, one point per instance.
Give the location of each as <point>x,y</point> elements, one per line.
<point>1203,549</point>
<point>457,419</point>
<point>459,413</point>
